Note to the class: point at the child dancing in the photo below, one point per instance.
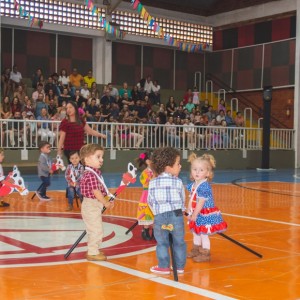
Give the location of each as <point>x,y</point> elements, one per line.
<point>144,214</point>
<point>93,190</point>
<point>166,199</point>
<point>205,218</point>
<point>44,170</point>
<point>73,174</point>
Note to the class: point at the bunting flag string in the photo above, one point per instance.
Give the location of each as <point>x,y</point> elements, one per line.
<point>183,46</point>
<point>105,24</point>
<point>32,21</point>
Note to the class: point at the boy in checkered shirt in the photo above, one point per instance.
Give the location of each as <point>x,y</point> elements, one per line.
<point>93,190</point>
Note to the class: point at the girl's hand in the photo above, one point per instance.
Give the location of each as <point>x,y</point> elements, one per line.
<point>193,217</point>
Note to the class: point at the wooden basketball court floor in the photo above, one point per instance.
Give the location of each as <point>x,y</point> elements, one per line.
<point>262,212</point>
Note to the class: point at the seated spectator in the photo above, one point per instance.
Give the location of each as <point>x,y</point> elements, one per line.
<point>5,82</point>
<point>125,89</point>
<point>15,128</point>
<point>239,120</point>
<point>210,114</point>
<point>95,90</point>
<point>142,111</point>
<point>190,105</point>
<point>15,78</point>
<point>85,92</point>
<point>106,98</point>
<point>222,105</point>
<point>114,111</point>
<point>104,113</point>
<point>220,117</point>
<point>35,94</point>
<point>78,99</point>
<point>113,91</point>
<point>63,80</point>
<point>205,107</point>
<point>44,128</point>
<point>189,134</point>
<point>171,106</point>
<point>155,94</point>
<point>179,113</point>
<point>52,108</point>
<point>125,100</point>
<point>91,110</point>
<point>135,94</point>
<point>76,81</point>
<point>28,108</point>
<point>93,95</point>
<point>50,96</point>
<point>162,114</point>
<point>173,139</point>
<point>37,78</point>
<point>5,108</point>
<point>229,120</point>
<point>16,106</point>
<point>20,94</point>
<point>64,97</point>
<point>40,104</point>
<point>50,85</point>
<point>89,79</point>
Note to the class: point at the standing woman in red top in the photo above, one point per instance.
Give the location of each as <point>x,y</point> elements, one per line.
<point>72,130</point>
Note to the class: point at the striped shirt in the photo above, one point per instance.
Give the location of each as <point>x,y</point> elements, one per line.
<point>89,182</point>
<point>166,193</point>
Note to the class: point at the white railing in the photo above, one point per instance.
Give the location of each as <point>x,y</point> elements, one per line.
<point>21,134</point>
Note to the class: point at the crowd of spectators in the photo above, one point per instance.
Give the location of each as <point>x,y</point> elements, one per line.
<point>138,104</point>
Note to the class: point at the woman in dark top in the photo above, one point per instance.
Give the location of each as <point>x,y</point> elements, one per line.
<point>72,130</point>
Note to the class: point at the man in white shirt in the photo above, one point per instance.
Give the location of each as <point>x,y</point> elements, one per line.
<point>15,78</point>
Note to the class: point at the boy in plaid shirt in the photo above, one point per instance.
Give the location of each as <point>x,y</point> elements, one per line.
<point>93,190</point>
<point>166,198</point>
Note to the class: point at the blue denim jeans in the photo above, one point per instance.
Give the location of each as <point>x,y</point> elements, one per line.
<point>45,183</point>
<point>162,239</point>
<point>71,194</point>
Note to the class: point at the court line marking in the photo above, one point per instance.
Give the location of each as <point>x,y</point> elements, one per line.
<point>260,219</point>
<point>171,283</point>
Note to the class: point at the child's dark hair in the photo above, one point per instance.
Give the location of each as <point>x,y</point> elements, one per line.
<point>43,144</point>
<point>73,152</point>
<point>141,160</point>
<point>162,158</point>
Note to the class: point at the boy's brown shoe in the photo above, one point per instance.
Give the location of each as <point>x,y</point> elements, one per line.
<point>98,257</point>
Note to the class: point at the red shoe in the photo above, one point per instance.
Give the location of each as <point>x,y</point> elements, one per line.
<point>158,270</point>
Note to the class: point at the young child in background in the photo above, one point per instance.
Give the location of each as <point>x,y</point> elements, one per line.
<point>196,99</point>
<point>205,218</point>
<point>2,177</point>
<point>44,170</point>
<point>144,214</point>
<point>166,199</point>
<point>73,174</point>
<point>93,190</point>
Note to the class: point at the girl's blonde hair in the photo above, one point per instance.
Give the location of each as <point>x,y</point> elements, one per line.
<point>1,150</point>
<point>208,158</point>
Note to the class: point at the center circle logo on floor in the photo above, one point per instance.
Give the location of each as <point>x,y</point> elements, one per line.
<point>33,238</point>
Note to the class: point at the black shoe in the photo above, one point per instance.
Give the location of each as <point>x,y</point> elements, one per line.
<point>3,204</point>
<point>146,235</point>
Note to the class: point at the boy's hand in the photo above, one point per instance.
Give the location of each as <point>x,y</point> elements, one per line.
<point>109,204</point>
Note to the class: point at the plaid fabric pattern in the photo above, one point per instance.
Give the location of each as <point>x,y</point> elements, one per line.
<point>74,134</point>
<point>89,182</point>
<point>166,193</point>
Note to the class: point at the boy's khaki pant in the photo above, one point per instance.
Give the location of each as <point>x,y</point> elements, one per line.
<point>91,211</point>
